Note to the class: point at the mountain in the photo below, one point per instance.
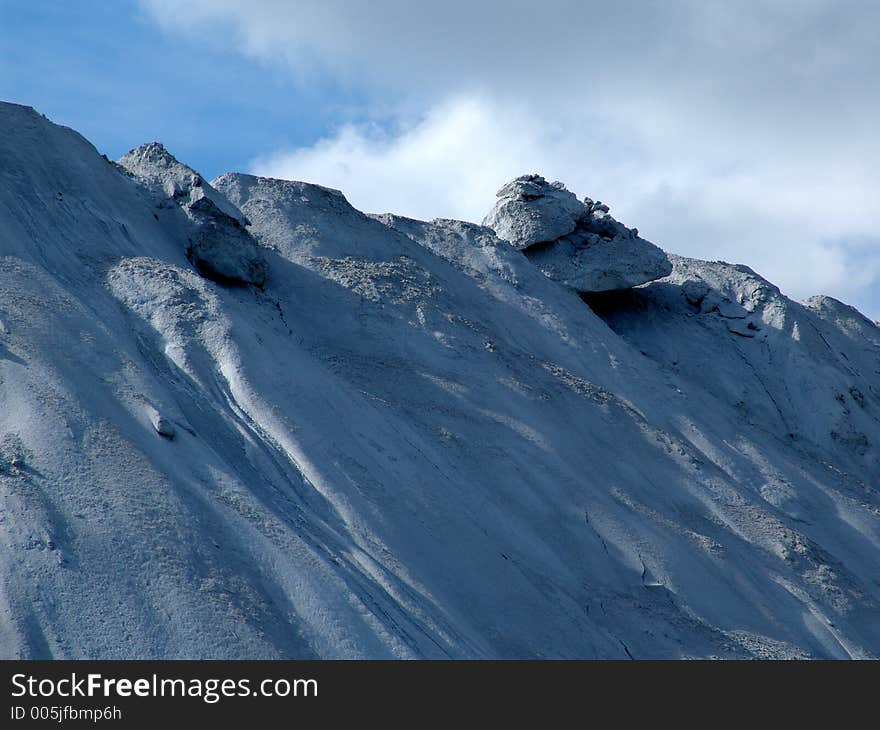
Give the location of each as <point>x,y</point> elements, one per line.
<point>241,419</point>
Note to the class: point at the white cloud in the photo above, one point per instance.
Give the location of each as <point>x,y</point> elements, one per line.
<point>737,131</point>
<point>448,164</point>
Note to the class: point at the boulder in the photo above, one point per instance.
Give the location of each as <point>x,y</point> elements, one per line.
<point>219,246</point>
<point>160,423</point>
<point>579,244</point>
<point>530,210</point>
<point>226,254</point>
<point>741,327</point>
<point>695,291</point>
<point>588,263</point>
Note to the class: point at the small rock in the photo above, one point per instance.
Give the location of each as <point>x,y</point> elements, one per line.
<point>740,327</point>
<point>163,426</point>
<point>695,290</point>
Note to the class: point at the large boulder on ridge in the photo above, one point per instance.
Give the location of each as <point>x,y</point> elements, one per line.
<point>579,244</point>
<point>218,246</point>
<point>588,262</point>
<point>530,210</point>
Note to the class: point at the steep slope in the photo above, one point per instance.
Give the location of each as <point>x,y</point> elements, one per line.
<point>407,441</point>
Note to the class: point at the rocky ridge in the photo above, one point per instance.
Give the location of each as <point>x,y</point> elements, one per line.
<point>409,442</point>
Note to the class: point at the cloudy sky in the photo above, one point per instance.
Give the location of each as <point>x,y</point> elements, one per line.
<point>740,131</point>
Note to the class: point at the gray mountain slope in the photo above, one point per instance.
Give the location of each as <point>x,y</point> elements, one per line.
<point>409,442</point>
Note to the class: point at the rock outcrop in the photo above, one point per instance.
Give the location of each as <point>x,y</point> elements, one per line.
<point>579,244</point>
<point>530,210</point>
<point>219,246</point>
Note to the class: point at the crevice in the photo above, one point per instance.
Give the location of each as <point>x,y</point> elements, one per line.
<point>596,533</point>
<point>769,394</point>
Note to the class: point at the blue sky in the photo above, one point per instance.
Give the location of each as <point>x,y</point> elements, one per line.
<point>120,80</point>
<point>737,131</point>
